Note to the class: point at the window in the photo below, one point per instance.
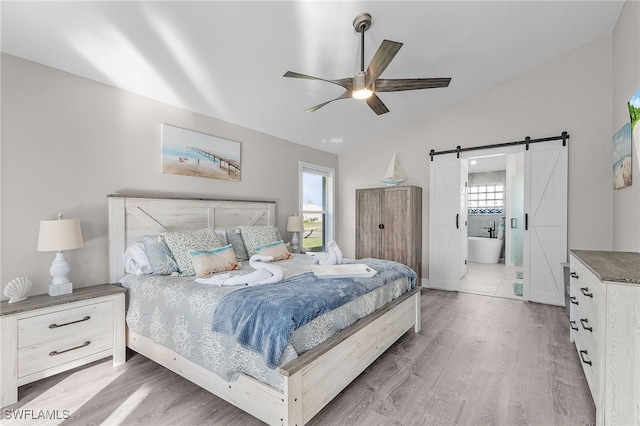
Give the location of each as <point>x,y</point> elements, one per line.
<point>316,201</point>
<point>485,199</point>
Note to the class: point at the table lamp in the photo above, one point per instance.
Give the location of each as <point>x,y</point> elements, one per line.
<point>295,225</point>
<point>58,235</point>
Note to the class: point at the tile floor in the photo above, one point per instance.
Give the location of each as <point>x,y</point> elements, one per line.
<point>491,280</point>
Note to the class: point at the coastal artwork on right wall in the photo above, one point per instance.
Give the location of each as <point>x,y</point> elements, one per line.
<point>622,157</point>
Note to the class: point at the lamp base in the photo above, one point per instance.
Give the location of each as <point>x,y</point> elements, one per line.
<point>295,241</point>
<point>60,289</point>
<point>59,270</point>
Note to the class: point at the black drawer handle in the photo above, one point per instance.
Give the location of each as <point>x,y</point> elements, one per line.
<point>582,354</point>
<point>87,318</point>
<point>381,226</point>
<point>585,291</point>
<point>54,353</point>
<point>573,300</point>
<point>574,274</point>
<point>573,325</point>
<point>583,321</point>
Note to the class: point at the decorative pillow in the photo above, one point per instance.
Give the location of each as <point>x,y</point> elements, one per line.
<point>278,250</point>
<point>181,244</point>
<point>222,235</point>
<point>135,260</point>
<point>207,262</point>
<point>235,239</point>
<point>254,236</point>
<point>160,257</point>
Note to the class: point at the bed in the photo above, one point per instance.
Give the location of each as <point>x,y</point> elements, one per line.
<point>302,385</point>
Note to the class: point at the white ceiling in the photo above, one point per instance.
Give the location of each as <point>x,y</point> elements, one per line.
<point>226,59</point>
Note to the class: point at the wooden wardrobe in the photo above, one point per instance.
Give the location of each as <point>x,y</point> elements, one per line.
<point>389,225</point>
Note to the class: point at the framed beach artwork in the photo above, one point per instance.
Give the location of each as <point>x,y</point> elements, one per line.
<point>622,157</point>
<point>189,153</point>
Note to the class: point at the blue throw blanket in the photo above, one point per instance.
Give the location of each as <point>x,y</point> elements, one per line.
<point>263,318</point>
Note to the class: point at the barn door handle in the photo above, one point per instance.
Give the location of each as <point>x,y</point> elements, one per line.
<point>457,220</point>
<point>526,221</point>
<point>381,226</point>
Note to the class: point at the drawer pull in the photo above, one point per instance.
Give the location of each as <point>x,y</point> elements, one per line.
<point>585,320</point>
<point>585,291</point>
<point>574,275</point>
<point>573,300</point>
<point>54,353</point>
<point>573,325</point>
<point>87,318</point>
<point>586,361</point>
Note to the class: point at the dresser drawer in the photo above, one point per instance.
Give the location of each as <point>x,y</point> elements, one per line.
<point>59,325</point>
<point>584,280</point>
<point>56,338</point>
<point>42,356</point>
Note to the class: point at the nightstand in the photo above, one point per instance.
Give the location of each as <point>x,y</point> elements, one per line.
<point>46,335</point>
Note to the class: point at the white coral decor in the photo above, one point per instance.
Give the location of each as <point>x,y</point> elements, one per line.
<point>17,289</point>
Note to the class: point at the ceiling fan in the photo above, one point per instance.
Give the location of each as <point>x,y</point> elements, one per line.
<point>366,84</point>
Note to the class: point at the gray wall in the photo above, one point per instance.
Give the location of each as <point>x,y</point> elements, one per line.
<point>572,92</point>
<point>584,92</point>
<point>626,81</point>
<point>67,142</point>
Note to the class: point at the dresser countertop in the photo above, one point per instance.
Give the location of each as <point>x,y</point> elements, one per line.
<point>45,301</point>
<point>613,266</point>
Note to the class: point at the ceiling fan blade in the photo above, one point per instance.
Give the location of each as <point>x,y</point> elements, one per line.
<point>381,60</point>
<point>398,85</point>
<point>376,105</point>
<point>345,95</point>
<point>344,82</point>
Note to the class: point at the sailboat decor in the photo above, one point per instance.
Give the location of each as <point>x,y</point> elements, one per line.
<point>394,174</point>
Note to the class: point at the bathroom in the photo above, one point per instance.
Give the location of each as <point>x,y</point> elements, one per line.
<point>495,203</point>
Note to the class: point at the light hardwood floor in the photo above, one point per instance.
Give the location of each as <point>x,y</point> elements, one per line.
<point>478,360</point>
<point>491,279</point>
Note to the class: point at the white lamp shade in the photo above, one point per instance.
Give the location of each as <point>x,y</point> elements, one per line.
<point>295,224</point>
<point>59,234</point>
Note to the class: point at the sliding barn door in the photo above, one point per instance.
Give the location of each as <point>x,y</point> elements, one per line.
<point>446,222</point>
<point>545,236</point>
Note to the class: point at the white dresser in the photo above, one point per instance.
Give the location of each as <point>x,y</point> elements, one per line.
<point>46,335</point>
<point>605,326</point>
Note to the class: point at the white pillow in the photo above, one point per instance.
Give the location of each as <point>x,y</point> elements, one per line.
<point>136,260</point>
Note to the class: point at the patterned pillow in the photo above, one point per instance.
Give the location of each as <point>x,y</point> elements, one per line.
<point>254,236</point>
<point>181,244</point>
<point>207,262</point>
<point>160,257</point>
<point>235,239</point>
<point>278,250</point>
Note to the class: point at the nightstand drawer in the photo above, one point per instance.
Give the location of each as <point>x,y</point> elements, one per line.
<point>42,356</point>
<point>57,326</point>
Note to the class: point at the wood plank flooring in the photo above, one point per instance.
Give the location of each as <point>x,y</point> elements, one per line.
<point>478,360</point>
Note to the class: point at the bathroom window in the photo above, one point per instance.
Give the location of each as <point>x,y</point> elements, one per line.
<point>485,199</point>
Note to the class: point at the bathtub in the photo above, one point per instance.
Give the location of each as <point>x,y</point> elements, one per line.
<point>484,250</point>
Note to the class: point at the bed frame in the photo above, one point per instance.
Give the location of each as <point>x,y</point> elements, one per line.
<point>312,380</point>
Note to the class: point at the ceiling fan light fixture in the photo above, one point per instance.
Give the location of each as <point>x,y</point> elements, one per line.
<point>362,94</point>
<point>360,91</point>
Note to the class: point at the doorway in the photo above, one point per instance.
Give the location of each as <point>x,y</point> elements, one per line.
<point>544,221</point>
<point>494,208</point>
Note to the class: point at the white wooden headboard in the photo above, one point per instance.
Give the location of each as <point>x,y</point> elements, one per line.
<point>132,217</point>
